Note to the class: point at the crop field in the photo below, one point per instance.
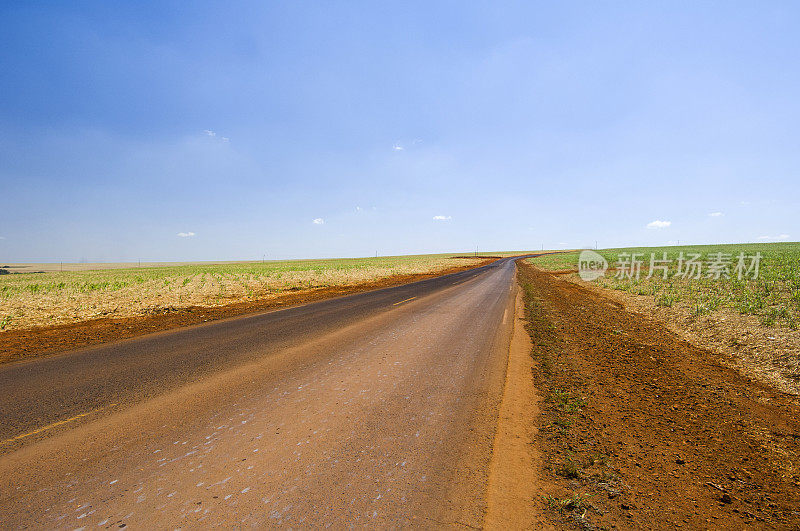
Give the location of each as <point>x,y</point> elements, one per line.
<point>773,295</point>
<point>55,297</point>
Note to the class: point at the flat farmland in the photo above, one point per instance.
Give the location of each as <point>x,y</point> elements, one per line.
<point>752,323</point>
<point>646,423</point>
<point>36,295</point>
<point>773,297</point>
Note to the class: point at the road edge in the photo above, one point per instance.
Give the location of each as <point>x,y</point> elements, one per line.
<point>514,484</point>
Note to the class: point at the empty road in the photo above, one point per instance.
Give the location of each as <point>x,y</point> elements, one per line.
<point>377,409</point>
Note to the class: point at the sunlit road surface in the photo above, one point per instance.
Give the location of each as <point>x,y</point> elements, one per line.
<point>373,410</point>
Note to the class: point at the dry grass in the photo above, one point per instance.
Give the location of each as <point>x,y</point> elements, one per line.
<point>54,297</point>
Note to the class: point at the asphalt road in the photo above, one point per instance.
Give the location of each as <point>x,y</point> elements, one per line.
<point>376,409</point>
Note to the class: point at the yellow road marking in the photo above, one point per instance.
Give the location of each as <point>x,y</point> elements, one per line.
<point>401,302</point>
<point>53,425</point>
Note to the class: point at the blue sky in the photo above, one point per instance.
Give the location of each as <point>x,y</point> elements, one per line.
<point>211,130</point>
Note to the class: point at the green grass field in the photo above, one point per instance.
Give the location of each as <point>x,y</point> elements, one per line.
<point>774,296</point>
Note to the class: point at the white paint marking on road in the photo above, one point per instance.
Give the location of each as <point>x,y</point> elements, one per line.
<point>505,316</point>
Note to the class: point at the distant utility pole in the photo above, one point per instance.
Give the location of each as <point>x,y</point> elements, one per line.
<point>595,245</point>
<point>62,267</point>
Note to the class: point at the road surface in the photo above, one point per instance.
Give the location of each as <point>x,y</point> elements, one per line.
<point>376,409</point>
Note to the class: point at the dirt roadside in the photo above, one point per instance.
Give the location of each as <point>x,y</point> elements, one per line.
<point>641,429</point>
<point>509,492</point>
<point>30,343</point>
<point>763,353</point>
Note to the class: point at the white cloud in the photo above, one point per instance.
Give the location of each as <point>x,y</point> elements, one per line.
<point>716,214</point>
<point>441,218</point>
<point>778,237</point>
<point>397,146</point>
<point>358,209</point>
<point>658,224</point>
<point>213,134</point>
<point>318,221</point>
<point>186,234</point>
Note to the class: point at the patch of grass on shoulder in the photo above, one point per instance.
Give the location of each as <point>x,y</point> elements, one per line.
<point>576,502</point>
